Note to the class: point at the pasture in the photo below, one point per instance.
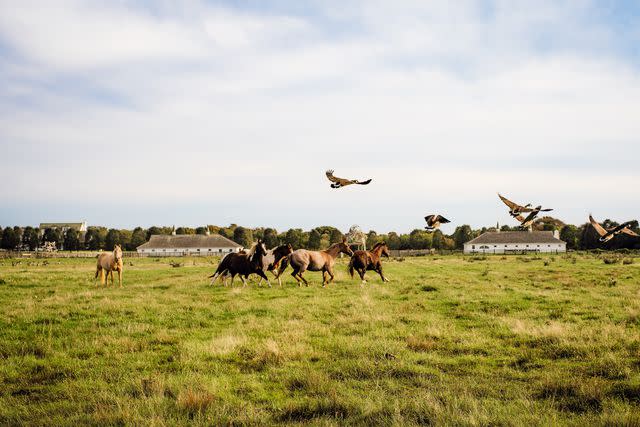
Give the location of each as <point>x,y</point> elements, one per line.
<point>517,340</point>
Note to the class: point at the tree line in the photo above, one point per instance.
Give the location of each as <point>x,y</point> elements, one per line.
<point>102,238</point>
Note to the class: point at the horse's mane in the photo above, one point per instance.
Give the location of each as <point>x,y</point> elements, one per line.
<point>377,245</point>
<point>252,251</point>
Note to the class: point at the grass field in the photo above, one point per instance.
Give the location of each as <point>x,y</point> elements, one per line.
<point>516,340</point>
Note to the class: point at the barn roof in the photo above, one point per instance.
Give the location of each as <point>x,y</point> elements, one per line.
<point>506,237</point>
<point>160,241</point>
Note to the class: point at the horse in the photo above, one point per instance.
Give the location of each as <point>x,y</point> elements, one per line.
<point>361,261</point>
<point>274,259</point>
<point>242,264</point>
<point>303,260</point>
<point>107,262</point>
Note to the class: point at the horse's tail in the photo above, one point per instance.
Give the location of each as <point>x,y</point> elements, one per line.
<point>221,266</point>
<point>351,269</point>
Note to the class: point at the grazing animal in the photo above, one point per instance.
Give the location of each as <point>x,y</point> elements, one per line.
<point>607,234</point>
<point>274,259</point>
<point>361,261</point>
<point>242,264</point>
<point>107,262</point>
<point>342,182</point>
<point>434,221</point>
<point>303,260</point>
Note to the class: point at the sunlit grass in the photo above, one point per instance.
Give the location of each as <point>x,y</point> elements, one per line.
<point>517,340</point>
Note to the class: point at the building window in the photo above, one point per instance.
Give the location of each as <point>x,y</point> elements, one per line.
<point>153,250</point>
<point>516,246</point>
<point>209,250</point>
<point>198,250</point>
<point>164,250</point>
<point>473,246</point>
<point>219,250</point>
<point>527,245</point>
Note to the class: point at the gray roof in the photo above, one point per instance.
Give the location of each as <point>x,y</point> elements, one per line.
<point>505,237</point>
<point>160,241</point>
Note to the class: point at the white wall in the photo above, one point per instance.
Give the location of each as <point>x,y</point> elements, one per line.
<point>513,247</point>
<point>189,251</point>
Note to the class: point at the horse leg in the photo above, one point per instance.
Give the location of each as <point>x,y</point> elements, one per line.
<point>294,273</point>
<point>111,272</point>
<point>244,281</point>
<point>95,279</point>
<point>263,277</point>
<point>330,271</point>
<point>379,270</point>
<point>120,277</point>
<point>361,272</point>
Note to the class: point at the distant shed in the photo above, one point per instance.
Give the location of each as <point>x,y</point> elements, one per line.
<point>500,242</point>
<point>188,244</point>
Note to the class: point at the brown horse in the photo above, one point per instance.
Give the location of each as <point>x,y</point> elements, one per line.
<point>303,260</point>
<point>243,264</point>
<point>274,259</point>
<point>361,261</point>
<point>107,262</point>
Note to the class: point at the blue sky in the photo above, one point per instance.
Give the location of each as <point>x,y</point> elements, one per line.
<point>190,113</point>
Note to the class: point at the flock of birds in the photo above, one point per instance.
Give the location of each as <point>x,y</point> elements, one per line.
<point>515,210</point>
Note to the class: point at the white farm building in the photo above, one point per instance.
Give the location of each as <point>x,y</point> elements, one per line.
<point>188,244</point>
<point>500,242</point>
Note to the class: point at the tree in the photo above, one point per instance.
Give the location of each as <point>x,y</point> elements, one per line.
<point>53,235</point>
<point>393,241</point>
<point>419,239</point>
<point>30,238</point>
<point>372,239</point>
<point>202,230</point>
<point>294,237</point>
<point>270,237</point>
<point>155,230</point>
<point>112,239</point>
<point>462,235</point>
<point>138,237</point>
<point>335,236</point>
<point>570,234</point>
<point>437,241</point>
<point>94,238</point>
<point>71,240</point>
<point>185,230</point>
<point>243,236</point>
<point>10,240</point>
<point>315,240</point>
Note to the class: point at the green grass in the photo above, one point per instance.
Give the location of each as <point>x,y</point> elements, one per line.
<point>450,340</point>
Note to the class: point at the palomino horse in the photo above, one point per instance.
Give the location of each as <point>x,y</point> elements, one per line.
<point>361,261</point>
<point>242,264</point>
<point>274,259</point>
<point>107,262</point>
<point>303,260</point>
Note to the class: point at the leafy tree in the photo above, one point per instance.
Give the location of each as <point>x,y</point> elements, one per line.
<point>419,239</point>
<point>270,237</point>
<point>335,236</point>
<point>157,230</point>
<point>315,240</point>
<point>372,239</point>
<point>125,240</point>
<point>53,235</point>
<point>294,237</point>
<point>10,240</point>
<point>393,241</point>
<point>30,238</point>
<point>71,240</point>
<point>462,235</point>
<point>185,230</point>
<point>437,240</point>
<point>18,231</point>
<point>94,239</point>
<point>202,230</point>
<point>571,235</point>
<point>243,236</point>
<point>138,237</point>
<point>112,239</point>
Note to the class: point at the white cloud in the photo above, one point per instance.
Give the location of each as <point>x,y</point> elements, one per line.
<point>438,102</point>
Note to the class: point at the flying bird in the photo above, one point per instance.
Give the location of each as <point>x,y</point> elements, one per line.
<point>434,221</point>
<point>607,234</point>
<point>342,182</point>
<point>527,221</point>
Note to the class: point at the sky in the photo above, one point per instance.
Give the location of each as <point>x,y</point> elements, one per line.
<point>139,113</point>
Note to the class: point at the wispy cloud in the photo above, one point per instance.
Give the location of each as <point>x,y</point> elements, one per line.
<point>234,112</point>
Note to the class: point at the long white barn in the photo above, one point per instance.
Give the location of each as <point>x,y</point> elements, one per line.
<point>188,244</point>
<point>499,242</point>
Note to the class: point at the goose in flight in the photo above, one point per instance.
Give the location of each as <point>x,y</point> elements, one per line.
<point>607,234</point>
<point>342,182</point>
<point>434,221</point>
<point>516,209</point>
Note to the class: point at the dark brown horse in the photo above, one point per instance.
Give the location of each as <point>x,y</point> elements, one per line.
<point>361,261</point>
<point>303,260</point>
<point>242,264</point>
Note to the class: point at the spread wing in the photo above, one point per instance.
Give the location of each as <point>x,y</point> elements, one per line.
<point>599,229</point>
<point>429,219</point>
<point>520,218</point>
<point>331,177</point>
<point>513,206</point>
<point>442,219</point>
<point>626,230</point>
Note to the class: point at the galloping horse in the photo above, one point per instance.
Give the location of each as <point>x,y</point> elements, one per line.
<point>242,264</point>
<point>274,259</point>
<point>107,262</point>
<point>303,260</point>
<point>361,261</point>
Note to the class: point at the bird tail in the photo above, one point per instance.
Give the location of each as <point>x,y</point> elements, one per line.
<point>364,182</point>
